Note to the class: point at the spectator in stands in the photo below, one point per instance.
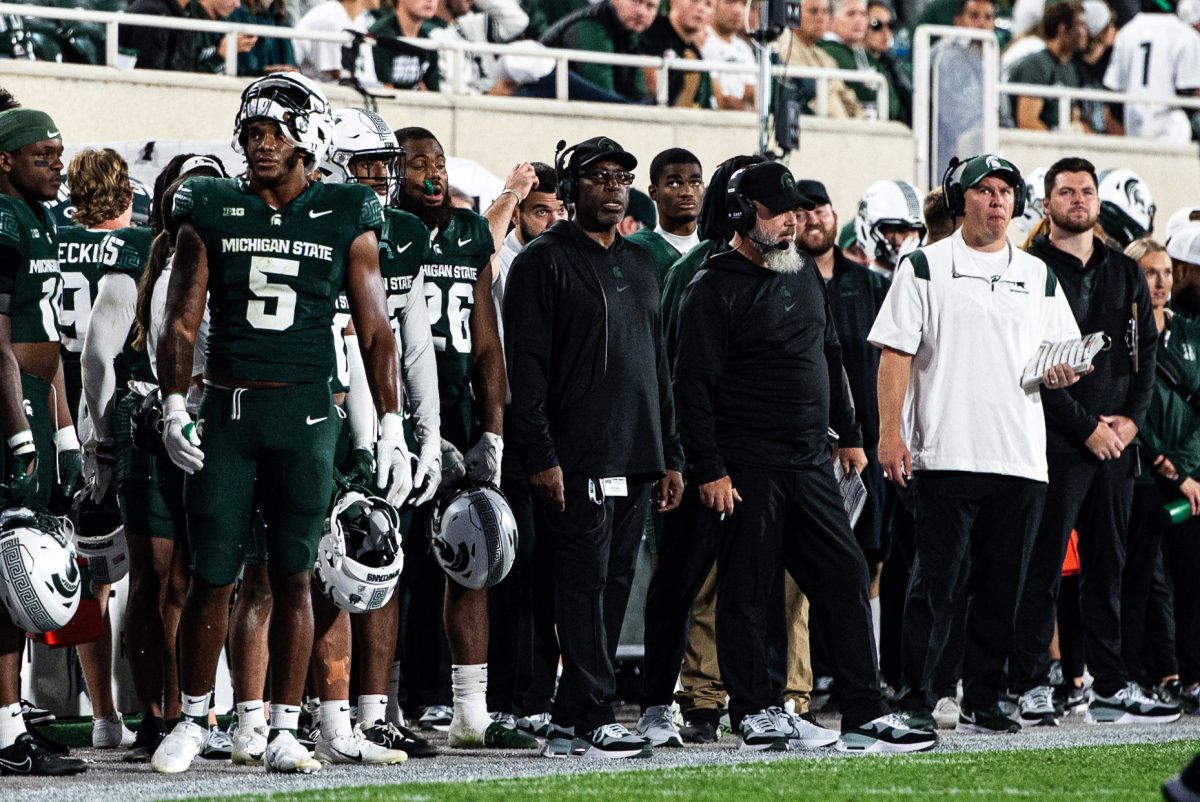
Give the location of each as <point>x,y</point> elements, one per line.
<point>844,43</point>
<point>878,44</point>
<point>1158,55</point>
<point>325,61</point>
<point>1065,32</point>
<point>680,33</point>
<point>486,21</point>
<point>1093,63</point>
<point>158,48</point>
<point>726,41</point>
<point>609,26</point>
<point>405,67</point>
<point>958,75</point>
<point>800,47</point>
<point>268,54</point>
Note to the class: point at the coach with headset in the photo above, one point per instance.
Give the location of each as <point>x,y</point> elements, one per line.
<point>593,423</point>
<point>962,319</point>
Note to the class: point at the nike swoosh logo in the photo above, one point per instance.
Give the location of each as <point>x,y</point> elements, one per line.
<point>789,307</point>
<point>311,420</point>
<point>315,214</point>
<point>463,242</point>
<point>53,135</point>
<point>21,767</point>
<point>622,289</point>
<point>405,248</point>
<point>356,758</point>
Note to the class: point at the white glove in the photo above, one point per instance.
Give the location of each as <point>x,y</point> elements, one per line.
<point>427,476</point>
<point>98,464</point>
<point>453,467</point>
<point>393,471</point>
<point>180,437</point>
<point>483,459</point>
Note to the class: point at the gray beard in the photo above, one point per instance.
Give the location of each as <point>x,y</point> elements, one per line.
<point>789,261</point>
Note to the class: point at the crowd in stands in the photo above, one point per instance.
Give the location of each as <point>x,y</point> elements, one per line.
<point>1152,50</point>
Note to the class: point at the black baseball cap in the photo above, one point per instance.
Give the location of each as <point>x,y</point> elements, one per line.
<point>600,148</point>
<point>815,191</point>
<point>773,185</point>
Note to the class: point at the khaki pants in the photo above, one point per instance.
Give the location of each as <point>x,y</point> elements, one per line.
<point>700,679</point>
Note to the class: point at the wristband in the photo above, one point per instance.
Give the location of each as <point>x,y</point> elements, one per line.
<point>66,439</point>
<point>22,442</point>
<point>513,192</point>
<point>391,426</point>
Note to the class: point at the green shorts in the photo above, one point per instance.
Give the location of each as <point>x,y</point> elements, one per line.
<point>269,450</point>
<point>149,486</point>
<point>38,412</point>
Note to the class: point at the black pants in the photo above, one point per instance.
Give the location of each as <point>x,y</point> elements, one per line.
<point>1070,630</point>
<point>1182,558</point>
<point>594,542</point>
<point>972,537</point>
<point>797,519</point>
<point>1147,620</point>
<point>522,644</point>
<point>1093,498</point>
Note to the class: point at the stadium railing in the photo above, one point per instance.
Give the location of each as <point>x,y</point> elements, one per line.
<point>1101,95</point>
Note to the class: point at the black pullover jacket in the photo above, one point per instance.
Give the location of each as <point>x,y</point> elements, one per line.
<point>587,364</point>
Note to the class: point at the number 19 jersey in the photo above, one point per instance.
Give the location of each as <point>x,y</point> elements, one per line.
<point>30,238</point>
<point>274,274</point>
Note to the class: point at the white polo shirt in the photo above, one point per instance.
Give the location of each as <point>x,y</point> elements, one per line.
<point>972,320</point>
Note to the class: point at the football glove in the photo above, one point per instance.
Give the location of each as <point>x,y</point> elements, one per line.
<point>393,471</point>
<point>20,483</point>
<point>359,467</point>
<point>99,462</point>
<point>453,467</point>
<point>427,476</point>
<point>483,459</point>
<point>180,437</point>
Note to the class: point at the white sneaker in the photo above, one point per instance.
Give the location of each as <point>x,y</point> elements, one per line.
<point>355,748</point>
<point>802,733</point>
<point>110,732</point>
<point>249,744</point>
<point>1036,708</point>
<point>946,713</point>
<point>285,754</point>
<point>657,727</point>
<point>177,751</point>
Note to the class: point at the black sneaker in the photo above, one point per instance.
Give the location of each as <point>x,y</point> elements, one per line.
<point>1069,698</point>
<point>1169,692</point>
<point>1130,705</point>
<point>889,734</point>
<point>150,733</point>
<point>920,719</point>
<point>759,732</point>
<point>34,714</point>
<point>700,726</point>
<point>985,721</point>
<point>1189,699</point>
<point>611,741</point>
<point>27,757</point>
<point>47,743</point>
<point>392,736</point>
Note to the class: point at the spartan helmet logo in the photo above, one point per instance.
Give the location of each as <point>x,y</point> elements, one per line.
<point>994,164</point>
<point>68,584</point>
<point>1135,192</point>
<point>787,181</point>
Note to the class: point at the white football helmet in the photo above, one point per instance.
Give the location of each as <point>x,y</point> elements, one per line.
<point>107,555</point>
<point>39,578</point>
<point>1126,206</point>
<point>889,203</point>
<point>361,134</point>
<point>295,102</point>
<point>1181,219</point>
<point>359,558</point>
<point>474,535</point>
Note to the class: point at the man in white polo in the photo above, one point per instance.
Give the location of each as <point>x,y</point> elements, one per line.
<point>960,322</point>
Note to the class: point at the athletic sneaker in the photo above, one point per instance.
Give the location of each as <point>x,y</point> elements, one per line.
<point>397,736</point>
<point>503,733</point>
<point>923,719</point>
<point>801,732</point>
<point>27,757</point>
<point>177,751</point>
<point>537,724</point>
<point>355,748</point>
<point>217,744</point>
<point>110,732</point>
<point>889,734</point>
<point>759,732</point>
<point>558,741</point>
<point>1035,708</point>
<point>1189,699</point>
<point>986,721</point>
<point>150,733</point>
<point>1069,698</point>
<point>945,715</point>
<point>1169,691</point>
<point>437,717</point>
<point>1130,705</point>
<point>611,741</point>
<point>285,754</point>
<point>249,745</point>
<point>34,714</point>
<point>657,727</point>
<point>700,726</point>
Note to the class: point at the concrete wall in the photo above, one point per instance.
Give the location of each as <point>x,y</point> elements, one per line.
<point>94,104</point>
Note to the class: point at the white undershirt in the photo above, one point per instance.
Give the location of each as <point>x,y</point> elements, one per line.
<point>681,244</point>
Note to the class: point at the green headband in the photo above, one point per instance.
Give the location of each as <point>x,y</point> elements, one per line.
<point>21,127</point>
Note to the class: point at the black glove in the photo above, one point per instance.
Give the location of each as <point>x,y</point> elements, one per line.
<point>21,481</point>
<point>70,481</point>
<point>359,467</point>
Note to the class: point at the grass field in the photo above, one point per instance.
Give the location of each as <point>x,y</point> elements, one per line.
<point>1130,772</point>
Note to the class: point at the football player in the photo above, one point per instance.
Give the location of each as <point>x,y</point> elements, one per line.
<point>470,366</point>
<point>270,250</point>
<point>30,172</point>
<point>890,223</point>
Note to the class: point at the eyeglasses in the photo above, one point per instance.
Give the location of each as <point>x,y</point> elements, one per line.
<point>877,24</point>
<point>605,177</point>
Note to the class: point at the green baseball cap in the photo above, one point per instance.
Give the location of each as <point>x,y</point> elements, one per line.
<point>978,168</point>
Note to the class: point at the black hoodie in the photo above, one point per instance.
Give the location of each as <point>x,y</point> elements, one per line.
<point>758,372</point>
<point>587,365</point>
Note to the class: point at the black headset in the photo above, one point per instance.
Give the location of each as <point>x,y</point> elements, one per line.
<point>564,182</point>
<point>954,196</point>
<point>738,207</point>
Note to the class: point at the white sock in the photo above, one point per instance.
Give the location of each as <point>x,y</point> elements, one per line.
<point>12,724</point>
<point>394,714</point>
<point>285,717</point>
<point>876,625</point>
<point>372,707</point>
<point>195,709</point>
<point>469,684</point>
<point>251,715</point>
<point>335,719</point>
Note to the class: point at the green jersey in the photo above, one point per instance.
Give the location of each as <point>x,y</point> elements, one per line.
<point>274,275</point>
<point>653,243</point>
<point>402,250</point>
<point>79,259</point>
<point>30,236</point>
<point>127,250</point>
<point>456,256</point>
<point>678,277</point>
